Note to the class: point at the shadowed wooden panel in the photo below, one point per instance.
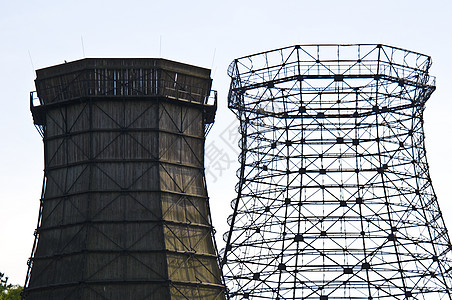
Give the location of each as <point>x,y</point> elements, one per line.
<point>124,212</point>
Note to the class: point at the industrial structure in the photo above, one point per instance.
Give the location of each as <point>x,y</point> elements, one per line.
<point>124,209</point>
<point>334,199</point>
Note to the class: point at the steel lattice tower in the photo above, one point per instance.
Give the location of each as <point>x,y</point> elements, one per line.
<point>124,208</point>
<point>334,199</point>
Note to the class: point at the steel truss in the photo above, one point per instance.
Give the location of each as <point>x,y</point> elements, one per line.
<point>124,208</point>
<point>334,199</point>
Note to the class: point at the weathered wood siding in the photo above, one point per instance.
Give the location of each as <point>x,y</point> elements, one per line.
<point>124,212</point>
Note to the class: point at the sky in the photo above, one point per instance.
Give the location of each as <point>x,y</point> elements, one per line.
<point>210,34</point>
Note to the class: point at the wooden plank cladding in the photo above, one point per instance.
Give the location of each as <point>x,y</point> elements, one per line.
<point>124,210</point>
<point>123,77</point>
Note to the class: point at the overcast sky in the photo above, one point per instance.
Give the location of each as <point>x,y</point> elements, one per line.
<point>37,34</point>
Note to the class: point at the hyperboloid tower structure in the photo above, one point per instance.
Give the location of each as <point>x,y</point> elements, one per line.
<point>124,209</point>
<point>334,199</point>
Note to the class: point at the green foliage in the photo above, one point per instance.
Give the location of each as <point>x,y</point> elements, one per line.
<point>9,291</point>
<point>12,292</point>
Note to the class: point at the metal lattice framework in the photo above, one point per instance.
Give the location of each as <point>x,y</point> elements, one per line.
<point>334,199</point>
<point>124,208</point>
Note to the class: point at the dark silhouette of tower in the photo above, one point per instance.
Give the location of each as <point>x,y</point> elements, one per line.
<point>124,209</point>
<point>334,199</point>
